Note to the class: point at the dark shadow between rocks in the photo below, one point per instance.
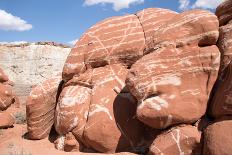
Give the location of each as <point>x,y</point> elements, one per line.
<point>26,136</point>
<point>132,130</point>
<point>211,98</point>
<point>52,135</point>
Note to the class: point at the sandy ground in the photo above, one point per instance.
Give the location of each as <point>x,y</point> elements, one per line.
<point>13,141</point>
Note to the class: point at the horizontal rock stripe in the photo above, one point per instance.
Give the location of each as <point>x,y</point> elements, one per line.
<point>40,107</point>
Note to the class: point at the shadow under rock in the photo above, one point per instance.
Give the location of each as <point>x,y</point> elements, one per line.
<point>52,135</point>
<point>132,130</point>
<point>26,136</point>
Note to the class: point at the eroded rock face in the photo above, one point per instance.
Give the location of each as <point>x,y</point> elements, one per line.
<point>173,82</point>
<point>7,95</point>
<point>225,45</point>
<point>114,40</point>
<point>217,138</point>
<point>194,27</point>
<point>178,140</point>
<point>99,112</point>
<point>152,19</point>
<point>29,64</point>
<point>179,75</point>
<point>6,120</point>
<point>40,108</point>
<point>223,12</point>
<point>220,104</point>
<point>3,76</point>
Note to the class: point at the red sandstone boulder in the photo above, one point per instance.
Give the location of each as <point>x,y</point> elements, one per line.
<point>3,76</point>
<point>72,110</point>
<point>152,19</point>
<point>225,45</point>
<point>172,82</point>
<point>6,120</point>
<point>178,140</point>
<point>114,40</point>
<point>194,27</point>
<point>221,100</point>
<point>7,96</point>
<point>68,143</point>
<point>218,138</point>
<point>99,111</point>
<point>41,108</point>
<point>223,12</point>
<point>111,125</point>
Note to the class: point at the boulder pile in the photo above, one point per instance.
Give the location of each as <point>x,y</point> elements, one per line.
<point>7,97</point>
<point>217,136</point>
<point>142,83</point>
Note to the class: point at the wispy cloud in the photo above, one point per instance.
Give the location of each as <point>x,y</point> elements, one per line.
<point>204,4</point>
<point>73,42</point>
<point>184,4</point>
<point>9,22</point>
<point>207,4</point>
<point>117,4</point>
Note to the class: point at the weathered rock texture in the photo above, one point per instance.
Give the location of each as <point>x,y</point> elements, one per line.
<point>31,63</point>
<point>178,140</point>
<point>114,40</point>
<point>223,12</point>
<point>40,108</point>
<point>7,95</point>
<point>177,77</point>
<point>217,138</point>
<point>136,82</point>
<point>221,102</point>
<point>6,120</point>
<point>98,113</point>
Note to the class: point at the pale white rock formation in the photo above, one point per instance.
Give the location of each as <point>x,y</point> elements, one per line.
<point>28,64</point>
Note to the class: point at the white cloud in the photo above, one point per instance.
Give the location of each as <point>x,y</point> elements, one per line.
<point>73,42</point>
<point>204,4</point>
<point>9,22</point>
<point>184,4</point>
<point>117,4</point>
<point>207,4</point>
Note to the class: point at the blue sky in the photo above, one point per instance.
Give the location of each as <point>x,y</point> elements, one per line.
<point>66,20</point>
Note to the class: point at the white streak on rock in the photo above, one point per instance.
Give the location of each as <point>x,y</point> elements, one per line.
<point>172,96</point>
<point>60,143</point>
<point>72,66</point>
<point>191,91</point>
<point>170,79</point>
<point>155,103</point>
<point>169,121</point>
<point>161,153</point>
<point>86,114</point>
<point>100,108</point>
<point>74,124</point>
<point>177,140</point>
<point>73,96</point>
<point>185,62</point>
